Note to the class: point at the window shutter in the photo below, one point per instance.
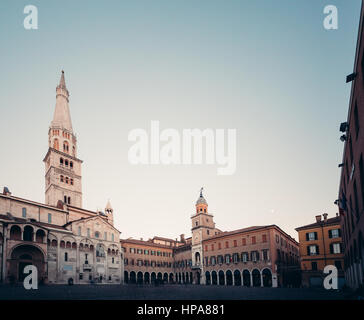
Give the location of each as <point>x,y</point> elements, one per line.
<point>339,232</point>
<point>307,236</point>
<point>308,250</point>
<point>331,248</point>
<point>315,235</point>
<point>317,249</point>
<point>330,234</point>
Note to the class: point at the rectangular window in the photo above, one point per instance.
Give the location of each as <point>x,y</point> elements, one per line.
<point>219,245</point>
<point>311,236</point>
<point>235,243</point>
<point>88,232</point>
<point>49,218</point>
<point>336,248</point>
<point>254,240</point>
<point>312,250</point>
<point>227,244</point>
<point>335,233</point>
<point>244,242</point>
<point>264,238</point>
<point>105,235</point>
<point>212,247</point>
<point>24,212</point>
<point>265,255</point>
<point>112,237</point>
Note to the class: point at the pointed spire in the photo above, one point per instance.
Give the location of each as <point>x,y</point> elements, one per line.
<point>201,199</point>
<point>62,117</point>
<point>108,205</point>
<point>62,82</point>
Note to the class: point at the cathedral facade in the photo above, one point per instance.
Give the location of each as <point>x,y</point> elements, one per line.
<point>66,243</point>
<point>69,244</point>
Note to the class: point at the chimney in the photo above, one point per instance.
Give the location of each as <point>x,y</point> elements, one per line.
<point>141,239</point>
<point>182,236</point>
<point>325,217</point>
<point>337,214</point>
<point>318,218</point>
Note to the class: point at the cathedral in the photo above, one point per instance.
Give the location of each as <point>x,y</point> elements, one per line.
<point>69,244</point>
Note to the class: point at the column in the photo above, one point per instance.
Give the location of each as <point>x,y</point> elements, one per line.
<point>251,279</point>
<point>78,267</point>
<point>58,260</point>
<point>3,277</point>
<point>261,279</point>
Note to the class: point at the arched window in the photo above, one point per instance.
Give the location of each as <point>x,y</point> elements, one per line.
<point>65,146</point>
<point>61,160</point>
<point>66,162</point>
<point>62,179</point>
<point>69,200</point>
<point>55,144</point>
<point>71,181</point>
<point>67,180</point>
<point>71,164</point>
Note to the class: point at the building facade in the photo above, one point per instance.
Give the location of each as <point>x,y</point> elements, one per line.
<point>321,245</point>
<point>255,256</point>
<point>64,241</point>
<point>351,189</point>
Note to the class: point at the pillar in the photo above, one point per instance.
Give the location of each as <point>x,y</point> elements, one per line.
<point>4,258</point>
<point>261,279</point>
<point>78,267</point>
<point>251,279</point>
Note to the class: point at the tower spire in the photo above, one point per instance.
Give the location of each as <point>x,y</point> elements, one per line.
<point>62,117</point>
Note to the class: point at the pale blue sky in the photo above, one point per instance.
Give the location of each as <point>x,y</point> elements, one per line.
<point>266,67</point>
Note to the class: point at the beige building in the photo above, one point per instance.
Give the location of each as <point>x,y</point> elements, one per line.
<point>254,256</point>
<point>66,242</point>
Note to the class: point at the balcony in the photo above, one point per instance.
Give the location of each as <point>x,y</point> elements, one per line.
<point>197,265</point>
<point>87,266</point>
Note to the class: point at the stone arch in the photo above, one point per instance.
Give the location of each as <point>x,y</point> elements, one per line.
<point>165,277</point>
<point>229,278</point>
<point>171,278</point>
<point>187,280</point>
<point>214,277</point>
<point>140,277</point>
<point>159,277</point>
<point>146,278</point>
<point>15,232</point>
<point>197,258</point>
<point>23,255</point>
<point>132,277</point>
<point>153,277</point>
<point>221,276</point>
<point>246,278</point>
<point>267,277</point>
<point>40,236</point>
<point>208,278</point>
<point>256,278</point>
<point>237,277</point>
<point>28,233</point>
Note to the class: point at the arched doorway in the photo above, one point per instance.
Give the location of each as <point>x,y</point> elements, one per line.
<point>171,278</point>
<point>40,236</point>
<point>126,277</point>
<point>15,233</point>
<point>221,278</point>
<point>132,277</point>
<point>198,278</point>
<point>256,278</point>
<point>229,278</point>
<point>187,281</point>
<point>165,277</point>
<point>208,278</point>
<point>237,278</point>
<point>146,278</point>
<point>22,256</point>
<point>140,277</point>
<point>246,278</point>
<point>153,277</point>
<point>267,278</point>
<point>159,277</point>
<point>214,278</point>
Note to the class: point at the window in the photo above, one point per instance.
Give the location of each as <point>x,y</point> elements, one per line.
<point>244,242</point>
<point>235,243</point>
<point>65,256</point>
<point>255,256</point>
<point>213,261</point>
<point>254,240</point>
<point>314,265</point>
<point>312,250</point>
<point>311,236</point>
<point>335,248</point>
<point>79,231</point>
<point>208,232</point>
<point>112,237</point>
<point>235,258</point>
<point>69,200</point>
<point>61,161</point>
<point>335,233</point>
<point>105,235</point>
<point>220,259</point>
<point>212,247</point>
<point>227,244</point>
<point>71,164</point>
<point>277,238</point>
<point>49,218</point>
<point>62,178</point>
<point>265,255</point>
<point>55,144</point>
<point>227,258</point>
<point>219,245</point>
<point>71,181</point>
<point>88,232</point>
<point>112,260</point>
<point>24,212</point>
<point>245,256</point>
<point>264,238</point>
<point>97,234</point>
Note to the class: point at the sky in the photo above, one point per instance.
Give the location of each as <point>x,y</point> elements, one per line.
<point>267,68</point>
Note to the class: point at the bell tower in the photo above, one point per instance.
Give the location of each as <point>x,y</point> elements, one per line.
<point>62,167</point>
